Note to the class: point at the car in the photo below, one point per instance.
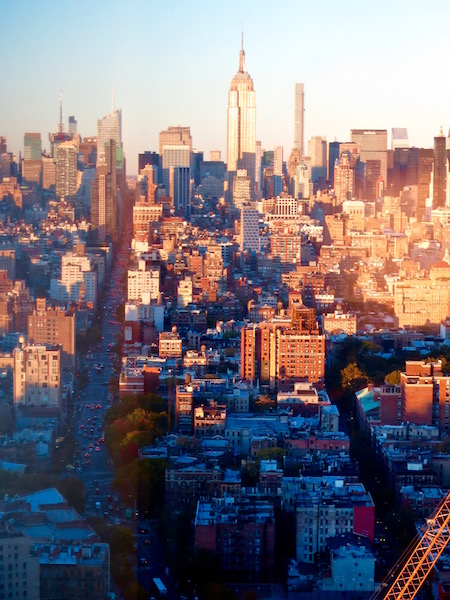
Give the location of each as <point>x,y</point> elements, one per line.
<point>147,541</point>
<point>142,561</point>
<point>88,462</point>
<point>86,455</point>
<point>98,406</point>
<point>97,448</point>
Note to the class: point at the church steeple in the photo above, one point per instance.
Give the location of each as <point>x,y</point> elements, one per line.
<point>242,55</point>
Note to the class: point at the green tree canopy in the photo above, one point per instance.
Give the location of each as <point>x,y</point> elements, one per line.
<point>393,378</point>
<point>352,377</point>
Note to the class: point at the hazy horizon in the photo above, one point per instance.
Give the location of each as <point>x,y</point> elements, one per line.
<point>362,66</point>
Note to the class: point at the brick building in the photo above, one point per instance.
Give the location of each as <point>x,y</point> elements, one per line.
<point>55,327</point>
<point>241,533</point>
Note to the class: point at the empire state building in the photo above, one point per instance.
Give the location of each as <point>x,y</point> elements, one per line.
<point>241,121</point>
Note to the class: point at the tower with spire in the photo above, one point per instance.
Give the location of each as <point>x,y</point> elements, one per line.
<point>60,135</point>
<point>241,130</point>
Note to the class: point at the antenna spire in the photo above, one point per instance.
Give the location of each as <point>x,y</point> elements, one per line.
<point>242,54</point>
<point>60,126</point>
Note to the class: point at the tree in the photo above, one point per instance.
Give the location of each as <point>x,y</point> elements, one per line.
<point>143,480</point>
<point>73,491</point>
<point>263,403</point>
<point>352,377</point>
<point>272,454</point>
<point>393,378</point>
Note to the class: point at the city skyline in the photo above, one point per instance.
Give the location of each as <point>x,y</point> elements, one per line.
<point>351,63</point>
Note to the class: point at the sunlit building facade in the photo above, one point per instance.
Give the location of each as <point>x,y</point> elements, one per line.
<point>241,146</point>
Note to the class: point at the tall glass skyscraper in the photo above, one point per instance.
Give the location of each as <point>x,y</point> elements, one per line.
<point>110,128</point>
<point>241,146</point>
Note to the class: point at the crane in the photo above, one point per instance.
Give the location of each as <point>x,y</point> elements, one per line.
<point>419,558</point>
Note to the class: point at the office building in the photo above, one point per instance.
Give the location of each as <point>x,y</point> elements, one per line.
<point>32,146</point>
<point>242,188</point>
<point>372,148</point>
<point>303,186</point>
<point>72,126</point>
<point>440,168</point>
<point>399,138</point>
<point>317,151</point>
<point>110,128</point>
<point>87,151</point>
<point>148,158</point>
<point>180,189</point>
<point>333,156</point>
<point>278,161</point>
<point>32,171</point>
<point>249,233</point>
<point>241,139</point>
<point>425,161</point>
<point>66,170</point>
<point>215,155</point>
<point>299,117</point>
<point>103,205</point>
<point>174,136</point>
<point>344,179</point>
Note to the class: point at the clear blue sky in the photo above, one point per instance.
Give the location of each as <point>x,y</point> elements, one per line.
<point>377,64</point>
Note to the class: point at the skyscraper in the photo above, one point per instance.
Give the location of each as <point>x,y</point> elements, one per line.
<point>102,205</point>
<point>175,136</point>
<point>439,171</point>
<point>373,149</point>
<point>66,169</point>
<point>317,150</point>
<point>72,126</point>
<point>278,160</point>
<point>175,149</point>
<point>299,117</point>
<point>104,197</point>
<point>241,142</point>
<point>110,128</point>
<point>399,138</point>
<point>344,179</point>
<point>333,156</point>
<point>32,146</point>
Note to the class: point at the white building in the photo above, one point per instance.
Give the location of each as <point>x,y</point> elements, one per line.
<point>79,279</point>
<point>184,296</point>
<point>37,376</point>
<point>143,280</point>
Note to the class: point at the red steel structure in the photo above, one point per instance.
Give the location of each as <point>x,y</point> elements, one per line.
<point>419,559</point>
